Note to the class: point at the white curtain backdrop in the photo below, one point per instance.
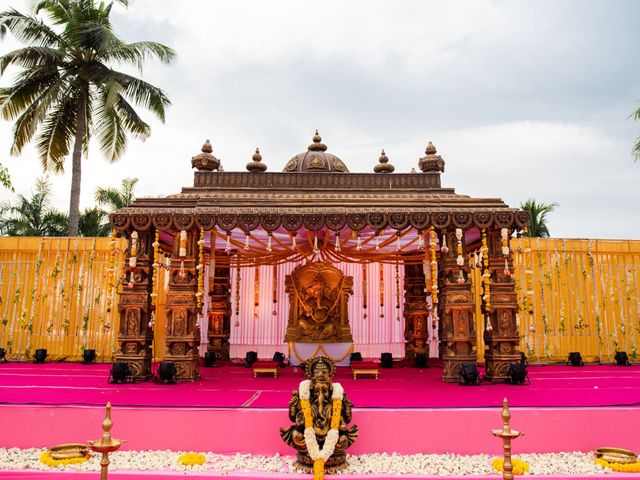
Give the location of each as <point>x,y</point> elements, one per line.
<point>258,329</point>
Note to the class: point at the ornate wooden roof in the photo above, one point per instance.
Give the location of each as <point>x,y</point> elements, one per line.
<point>317,197</point>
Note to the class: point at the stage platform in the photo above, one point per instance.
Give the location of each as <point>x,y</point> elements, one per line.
<point>407,410</point>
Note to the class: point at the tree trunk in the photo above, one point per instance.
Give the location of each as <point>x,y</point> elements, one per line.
<point>76,166</point>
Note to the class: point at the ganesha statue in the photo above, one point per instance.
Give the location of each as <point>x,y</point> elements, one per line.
<point>320,412</point>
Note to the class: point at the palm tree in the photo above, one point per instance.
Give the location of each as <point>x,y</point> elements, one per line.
<point>538,212</point>
<point>117,198</point>
<point>33,216</point>
<point>67,90</point>
<point>94,223</point>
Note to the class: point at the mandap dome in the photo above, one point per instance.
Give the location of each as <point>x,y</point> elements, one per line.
<point>316,159</point>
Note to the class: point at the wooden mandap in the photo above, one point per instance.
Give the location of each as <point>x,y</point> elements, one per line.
<point>316,214</point>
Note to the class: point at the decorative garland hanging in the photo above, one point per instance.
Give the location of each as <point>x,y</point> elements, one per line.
<point>212,258</point>
<point>154,278</point>
<point>182,253</point>
<point>337,245</point>
<point>381,289</point>
<point>133,257</point>
<point>111,268</point>
<point>256,292</point>
<point>237,322</point>
<point>434,268</point>
<point>459,258</point>
<point>365,267</point>
<point>486,276</point>
<point>200,269</point>
<point>426,266</point>
<point>504,233</point>
<point>397,272</point>
<point>274,289</point>
<point>320,456</point>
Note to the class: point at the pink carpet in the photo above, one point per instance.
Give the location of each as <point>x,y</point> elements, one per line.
<point>234,386</point>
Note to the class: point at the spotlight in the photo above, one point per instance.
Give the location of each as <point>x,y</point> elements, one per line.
<point>88,356</point>
<point>279,357</point>
<point>3,354</point>
<point>209,359</point>
<point>622,359</point>
<point>575,359</point>
<point>166,373</point>
<point>386,360</point>
<point>120,373</point>
<point>421,360</point>
<point>251,358</point>
<point>469,374</point>
<point>40,355</point>
<point>355,357</point>
<point>517,374</point>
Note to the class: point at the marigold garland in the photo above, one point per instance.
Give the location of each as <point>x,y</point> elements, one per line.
<point>619,467</point>
<point>190,459</point>
<point>320,456</point>
<point>48,460</point>
<point>520,467</point>
<point>434,268</point>
<point>200,269</point>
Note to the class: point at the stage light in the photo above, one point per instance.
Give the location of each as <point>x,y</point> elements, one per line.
<point>355,357</point>
<point>421,360</point>
<point>3,354</point>
<point>251,358</point>
<point>622,359</point>
<point>279,357</point>
<point>88,356</point>
<point>469,374</point>
<point>523,359</point>
<point>517,374</point>
<point>209,359</point>
<point>120,373</point>
<point>40,355</point>
<point>386,360</point>
<point>575,359</point>
<point>166,373</point>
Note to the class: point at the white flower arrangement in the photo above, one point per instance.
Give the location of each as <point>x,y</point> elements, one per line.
<point>310,438</point>
<point>448,464</point>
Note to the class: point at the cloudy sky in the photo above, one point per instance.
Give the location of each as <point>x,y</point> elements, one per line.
<point>522,99</point>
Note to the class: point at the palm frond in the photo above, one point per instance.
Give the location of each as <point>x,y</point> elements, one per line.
<point>32,57</point>
<point>138,52</point>
<point>57,133</point>
<point>27,29</point>
<point>29,85</point>
<point>538,212</point>
<point>143,94</point>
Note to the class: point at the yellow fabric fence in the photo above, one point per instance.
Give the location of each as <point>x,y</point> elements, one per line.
<point>583,296</point>
<point>576,296</point>
<point>53,295</point>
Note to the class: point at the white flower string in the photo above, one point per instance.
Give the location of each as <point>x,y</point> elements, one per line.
<point>310,438</point>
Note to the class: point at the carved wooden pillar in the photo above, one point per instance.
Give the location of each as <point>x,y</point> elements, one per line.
<point>219,309</point>
<point>456,307</point>
<point>416,313</point>
<point>134,306</point>
<point>503,338</point>
<point>183,337</point>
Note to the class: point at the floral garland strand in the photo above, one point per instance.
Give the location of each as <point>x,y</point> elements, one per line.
<point>274,289</point>
<point>320,456</point>
<point>34,300</point>
<point>182,253</point>
<point>397,275</point>
<point>434,268</point>
<point>200,269</point>
<point>619,467</point>
<point>459,259</point>
<point>381,289</point>
<point>256,292</point>
<point>155,273</point>
<point>365,267</point>
<point>237,322</point>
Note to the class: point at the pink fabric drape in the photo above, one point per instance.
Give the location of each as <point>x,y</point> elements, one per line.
<point>258,329</point>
